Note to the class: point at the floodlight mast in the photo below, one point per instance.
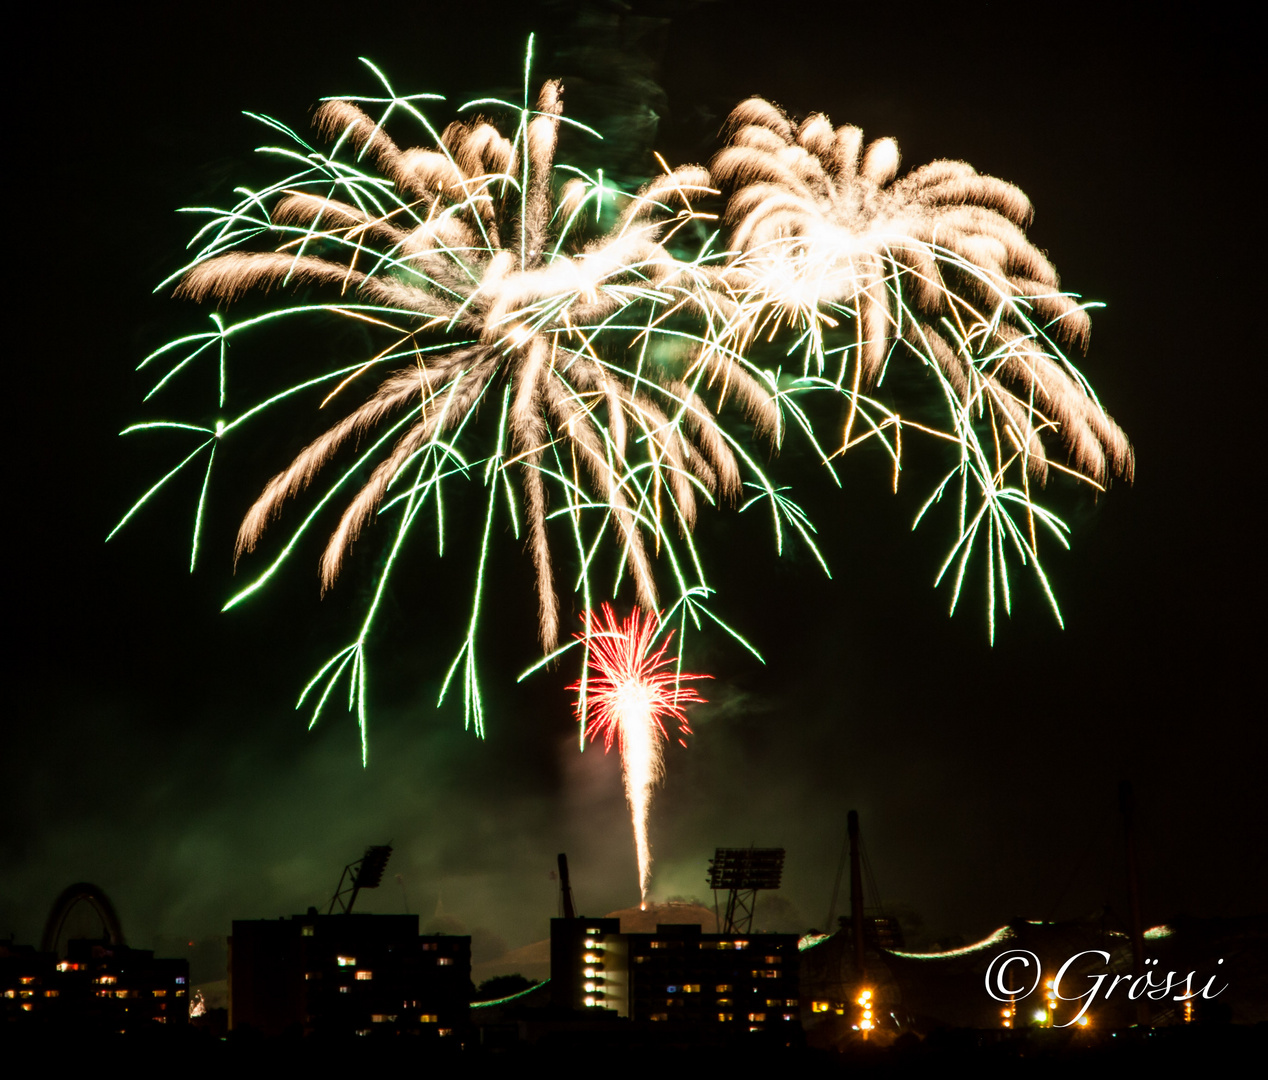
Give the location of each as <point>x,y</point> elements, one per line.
<point>743,872</point>
<point>365,873</point>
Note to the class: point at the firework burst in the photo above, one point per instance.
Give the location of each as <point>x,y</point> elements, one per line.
<point>493,280</point>
<point>858,269</point>
<point>633,688</point>
<point>605,367</point>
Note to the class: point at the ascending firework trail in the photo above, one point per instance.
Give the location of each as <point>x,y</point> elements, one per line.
<point>631,690</point>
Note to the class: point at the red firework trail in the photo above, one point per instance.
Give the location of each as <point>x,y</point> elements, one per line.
<point>631,692</point>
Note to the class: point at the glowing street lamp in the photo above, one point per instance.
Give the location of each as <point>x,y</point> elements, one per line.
<point>864,1002</point>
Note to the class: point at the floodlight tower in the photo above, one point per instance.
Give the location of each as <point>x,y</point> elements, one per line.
<point>743,871</point>
<point>365,873</point>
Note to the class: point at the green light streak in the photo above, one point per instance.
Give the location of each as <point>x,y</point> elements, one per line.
<point>312,516</point>
<point>146,497</point>
<point>198,514</point>
<point>473,709</point>
<point>647,333</point>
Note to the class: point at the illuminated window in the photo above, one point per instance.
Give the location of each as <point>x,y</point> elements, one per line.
<point>429,946</point>
<point>791,1003</point>
<point>691,988</point>
<point>106,980</point>
<point>27,1006</point>
<point>774,1003</point>
<point>725,1018</point>
<point>741,944</point>
<point>345,989</point>
<point>723,1001</point>
<point>51,993</point>
<point>671,989</point>
<point>427,1018</point>
<point>31,993</point>
<point>180,979</point>
<point>723,988</point>
<point>660,1016</point>
<point>365,976</point>
<point>592,932</point>
<point>445,1031</point>
<point>26,980</point>
<point>346,961</point>
<point>382,1018</point>
<point>160,993</point>
<point>726,944</point>
<point>774,959</point>
<point>10,993</point>
<point>444,961</point>
<point>756,1018</point>
<point>590,958</point>
<point>819,1006</point>
<point>180,993</point>
<point>307,931</point>
<point>789,1016</point>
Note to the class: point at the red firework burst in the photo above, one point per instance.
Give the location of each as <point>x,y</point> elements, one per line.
<point>632,690</point>
<point>631,679</point>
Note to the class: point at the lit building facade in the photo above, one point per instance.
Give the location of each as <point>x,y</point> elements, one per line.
<point>347,974</point>
<point>99,987</point>
<point>679,975</point>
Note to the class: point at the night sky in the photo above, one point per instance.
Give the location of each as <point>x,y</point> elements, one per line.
<point>150,744</point>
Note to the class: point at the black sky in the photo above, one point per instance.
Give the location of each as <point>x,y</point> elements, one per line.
<point>150,745</point>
